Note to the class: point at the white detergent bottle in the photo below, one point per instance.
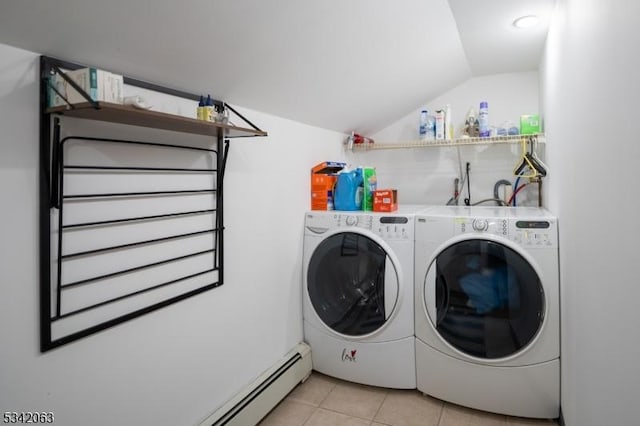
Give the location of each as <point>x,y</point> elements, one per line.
<point>448,120</point>
<point>423,124</point>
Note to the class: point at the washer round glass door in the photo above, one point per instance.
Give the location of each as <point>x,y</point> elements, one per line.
<point>352,283</point>
<point>489,301</point>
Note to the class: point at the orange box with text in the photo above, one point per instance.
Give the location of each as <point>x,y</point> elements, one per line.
<point>385,200</point>
<point>323,178</point>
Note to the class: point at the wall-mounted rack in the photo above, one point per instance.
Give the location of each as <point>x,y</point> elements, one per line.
<point>493,140</point>
<point>127,226</point>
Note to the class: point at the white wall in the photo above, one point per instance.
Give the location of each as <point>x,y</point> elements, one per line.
<point>425,176</point>
<point>590,94</point>
<point>176,365</point>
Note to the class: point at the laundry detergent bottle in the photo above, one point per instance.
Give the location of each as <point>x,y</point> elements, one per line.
<point>348,191</point>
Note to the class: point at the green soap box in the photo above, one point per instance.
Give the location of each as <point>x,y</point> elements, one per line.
<point>529,124</point>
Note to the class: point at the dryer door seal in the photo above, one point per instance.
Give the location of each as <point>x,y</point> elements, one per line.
<point>347,283</point>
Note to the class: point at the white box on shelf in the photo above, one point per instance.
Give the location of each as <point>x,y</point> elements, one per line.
<point>100,85</point>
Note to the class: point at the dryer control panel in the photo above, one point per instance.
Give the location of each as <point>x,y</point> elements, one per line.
<point>533,233</point>
<point>537,233</point>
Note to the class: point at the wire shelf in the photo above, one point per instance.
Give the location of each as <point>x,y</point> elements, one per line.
<point>493,140</point>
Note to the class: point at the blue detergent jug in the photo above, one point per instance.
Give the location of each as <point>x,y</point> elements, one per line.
<point>348,191</point>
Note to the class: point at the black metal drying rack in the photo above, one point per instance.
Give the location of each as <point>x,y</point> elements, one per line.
<point>54,197</point>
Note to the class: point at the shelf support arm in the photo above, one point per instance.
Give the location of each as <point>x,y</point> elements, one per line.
<point>226,105</point>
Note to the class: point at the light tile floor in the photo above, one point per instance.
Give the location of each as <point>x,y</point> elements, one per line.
<point>325,401</point>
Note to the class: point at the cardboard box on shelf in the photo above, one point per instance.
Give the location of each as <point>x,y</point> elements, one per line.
<point>529,124</point>
<point>100,85</point>
<point>323,179</point>
<point>385,200</point>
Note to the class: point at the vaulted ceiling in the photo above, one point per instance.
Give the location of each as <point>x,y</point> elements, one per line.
<point>336,64</point>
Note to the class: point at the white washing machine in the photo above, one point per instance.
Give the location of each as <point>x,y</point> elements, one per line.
<point>358,295</point>
<point>487,308</point>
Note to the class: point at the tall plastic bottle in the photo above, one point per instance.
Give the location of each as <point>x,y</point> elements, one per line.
<point>431,127</point>
<point>483,120</point>
<point>207,115</point>
<point>427,126</point>
<point>448,120</point>
<point>422,131</point>
<point>440,128</point>
<point>201,108</point>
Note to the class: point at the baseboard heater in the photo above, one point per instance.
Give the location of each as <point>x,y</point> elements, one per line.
<point>248,407</point>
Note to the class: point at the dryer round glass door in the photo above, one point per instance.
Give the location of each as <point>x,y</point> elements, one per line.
<point>489,301</point>
<point>352,284</point>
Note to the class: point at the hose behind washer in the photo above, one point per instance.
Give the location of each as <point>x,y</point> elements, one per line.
<point>496,188</point>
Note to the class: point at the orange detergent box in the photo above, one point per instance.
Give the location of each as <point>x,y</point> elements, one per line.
<point>323,178</point>
<point>385,200</point>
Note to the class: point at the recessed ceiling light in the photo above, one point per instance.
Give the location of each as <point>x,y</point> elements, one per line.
<point>526,21</point>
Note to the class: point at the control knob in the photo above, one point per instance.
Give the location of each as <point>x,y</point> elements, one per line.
<point>351,220</point>
<point>480,224</point>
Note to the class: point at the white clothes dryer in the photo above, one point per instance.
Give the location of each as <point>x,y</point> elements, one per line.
<point>487,308</point>
<point>358,295</point>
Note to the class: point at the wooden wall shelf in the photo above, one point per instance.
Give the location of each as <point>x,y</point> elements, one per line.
<point>126,114</point>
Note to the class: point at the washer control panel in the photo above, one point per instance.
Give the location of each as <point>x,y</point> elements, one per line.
<point>487,225</point>
<point>361,221</point>
<point>534,233</point>
<point>395,227</point>
<point>387,227</point>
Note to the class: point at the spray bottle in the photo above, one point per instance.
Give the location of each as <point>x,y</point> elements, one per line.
<point>483,120</point>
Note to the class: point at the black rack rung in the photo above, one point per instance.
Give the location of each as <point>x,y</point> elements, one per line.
<point>135,293</point>
<point>136,244</point>
<point>139,218</point>
<point>135,269</point>
<point>130,142</point>
<point>151,169</point>
<point>54,343</point>
<point>138,194</point>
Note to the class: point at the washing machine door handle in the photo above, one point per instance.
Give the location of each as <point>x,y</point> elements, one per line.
<point>390,288</point>
<point>429,294</point>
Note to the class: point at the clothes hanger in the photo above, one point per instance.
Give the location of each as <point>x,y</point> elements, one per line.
<point>542,171</point>
<point>528,160</point>
<point>525,163</point>
<point>534,154</point>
